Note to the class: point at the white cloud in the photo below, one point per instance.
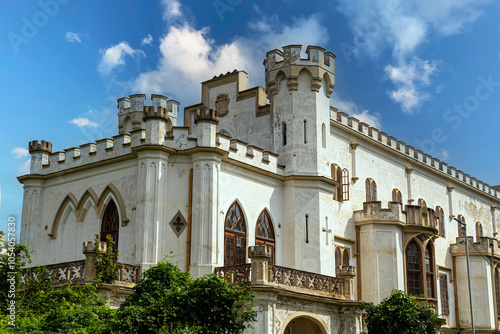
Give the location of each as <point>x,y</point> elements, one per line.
<point>147,40</point>
<point>409,79</point>
<point>84,122</point>
<point>171,9</point>
<point>20,152</point>
<point>189,56</point>
<point>115,56</point>
<point>73,37</point>
<point>352,109</point>
<point>25,168</point>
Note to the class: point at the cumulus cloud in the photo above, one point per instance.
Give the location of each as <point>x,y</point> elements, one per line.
<point>83,122</point>
<point>73,37</point>
<point>409,78</point>
<point>189,56</point>
<point>115,56</point>
<point>402,26</point>
<point>354,110</point>
<point>171,9</point>
<point>147,40</point>
<point>19,152</point>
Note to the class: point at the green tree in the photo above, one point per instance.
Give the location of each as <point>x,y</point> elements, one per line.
<point>400,314</point>
<point>168,300</point>
<point>106,264</point>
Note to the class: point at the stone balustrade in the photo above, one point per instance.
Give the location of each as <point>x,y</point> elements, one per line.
<point>260,273</point>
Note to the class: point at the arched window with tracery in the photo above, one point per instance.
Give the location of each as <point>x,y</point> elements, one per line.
<point>337,176</point>
<point>234,236</point>
<point>371,190</point>
<point>345,184</point>
<point>429,271</point>
<point>459,226</point>
<point>110,223</point>
<point>345,258</point>
<point>338,257</point>
<point>440,220</point>
<point>396,196</point>
<point>479,231</point>
<point>264,233</point>
<point>414,269</point>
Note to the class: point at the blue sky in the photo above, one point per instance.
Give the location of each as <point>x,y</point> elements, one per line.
<point>426,72</point>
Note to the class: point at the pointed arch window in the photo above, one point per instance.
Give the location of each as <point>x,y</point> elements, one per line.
<point>497,289</point>
<point>371,190</point>
<point>479,231</point>
<point>440,220</point>
<point>345,258</point>
<point>234,236</point>
<point>429,270</point>
<point>337,176</point>
<point>414,269</point>
<point>110,223</point>
<point>338,257</point>
<point>459,226</point>
<point>396,196</point>
<point>345,184</point>
<point>264,233</point>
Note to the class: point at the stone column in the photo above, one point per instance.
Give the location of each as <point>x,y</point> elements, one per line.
<point>347,273</point>
<point>89,250</point>
<point>259,255</point>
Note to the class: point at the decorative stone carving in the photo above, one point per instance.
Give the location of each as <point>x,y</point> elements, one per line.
<point>222,105</point>
<point>178,224</point>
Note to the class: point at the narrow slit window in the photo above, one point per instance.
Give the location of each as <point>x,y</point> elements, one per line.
<point>284,133</point>
<point>305,132</point>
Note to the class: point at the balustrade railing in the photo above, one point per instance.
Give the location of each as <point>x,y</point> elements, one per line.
<point>234,274</point>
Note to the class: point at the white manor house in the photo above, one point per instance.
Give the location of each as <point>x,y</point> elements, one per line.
<point>346,212</point>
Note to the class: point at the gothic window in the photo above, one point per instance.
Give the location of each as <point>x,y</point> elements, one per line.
<point>110,223</point>
<point>345,184</point>
<point>284,133</point>
<point>422,203</point>
<point>459,226</point>
<point>414,269</point>
<point>440,220</point>
<point>337,176</point>
<point>305,132</point>
<point>396,196</point>
<point>429,269</point>
<point>371,190</point>
<point>497,289</point>
<point>234,236</point>
<point>345,258</point>
<point>479,231</point>
<point>264,233</point>
<point>338,257</point>
<point>443,287</point>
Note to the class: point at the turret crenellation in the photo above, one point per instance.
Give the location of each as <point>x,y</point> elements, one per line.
<point>43,147</point>
<point>206,115</point>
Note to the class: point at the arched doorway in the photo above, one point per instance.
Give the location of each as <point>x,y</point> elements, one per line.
<point>304,325</point>
<point>234,236</point>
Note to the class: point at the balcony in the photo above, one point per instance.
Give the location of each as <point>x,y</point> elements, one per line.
<point>260,274</point>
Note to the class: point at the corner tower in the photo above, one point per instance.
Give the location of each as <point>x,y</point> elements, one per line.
<point>299,92</point>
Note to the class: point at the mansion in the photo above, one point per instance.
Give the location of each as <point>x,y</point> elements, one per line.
<point>273,186</point>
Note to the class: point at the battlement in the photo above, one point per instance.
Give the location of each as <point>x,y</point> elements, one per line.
<point>42,147</point>
<point>155,112</point>
<point>206,115</point>
<point>316,56</point>
<point>319,64</point>
<point>136,103</point>
<point>374,135</point>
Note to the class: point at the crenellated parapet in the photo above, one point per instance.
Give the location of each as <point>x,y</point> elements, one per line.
<point>412,155</point>
<point>288,63</point>
<point>132,111</point>
<point>483,246</point>
<point>42,147</point>
<point>206,115</point>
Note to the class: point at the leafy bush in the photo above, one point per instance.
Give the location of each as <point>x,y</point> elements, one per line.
<point>168,300</point>
<point>106,264</point>
<point>400,314</point>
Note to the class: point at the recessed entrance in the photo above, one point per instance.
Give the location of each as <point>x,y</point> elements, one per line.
<point>303,325</point>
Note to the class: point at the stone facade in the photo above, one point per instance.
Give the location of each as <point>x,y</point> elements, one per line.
<point>197,192</point>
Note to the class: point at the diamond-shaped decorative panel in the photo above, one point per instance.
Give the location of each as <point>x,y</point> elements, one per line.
<point>178,224</point>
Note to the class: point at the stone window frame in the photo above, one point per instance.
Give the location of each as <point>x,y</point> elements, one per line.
<point>239,236</point>
<point>397,196</point>
<point>439,212</point>
<point>424,271</point>
<point>371,190</point>
<point>261,240</point>
<point>460,228</point>
<point>444,294</point>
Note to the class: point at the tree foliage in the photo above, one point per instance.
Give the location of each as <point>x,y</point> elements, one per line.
<point>168,300</point>
<point>106,264</point>
<point>400,314</point>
